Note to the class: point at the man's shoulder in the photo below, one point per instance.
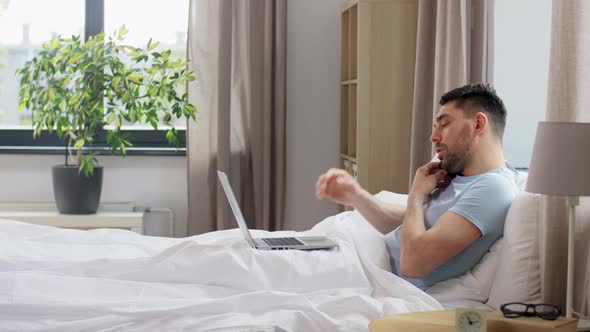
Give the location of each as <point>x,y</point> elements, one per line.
<point>486,202</point>
<point>502,179</point>
<point>494,185</point>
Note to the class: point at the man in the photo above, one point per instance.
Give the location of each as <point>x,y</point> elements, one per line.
<point>456,206</point>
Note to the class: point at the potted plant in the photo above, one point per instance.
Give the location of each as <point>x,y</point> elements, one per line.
<point>77,89</point>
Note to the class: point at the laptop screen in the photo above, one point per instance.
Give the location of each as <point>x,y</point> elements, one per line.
<point>229,193</point>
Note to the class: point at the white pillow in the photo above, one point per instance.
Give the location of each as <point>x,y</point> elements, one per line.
<point>518,277</point>
<point>474,285</point>
<point>521,180</point>
<point>392,198</point>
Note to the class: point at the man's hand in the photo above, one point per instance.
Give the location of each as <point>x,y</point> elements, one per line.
<point>339,186</point>
<point>428,177</point>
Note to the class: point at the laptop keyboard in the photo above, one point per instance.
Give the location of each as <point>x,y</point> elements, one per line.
<point>282,241</point>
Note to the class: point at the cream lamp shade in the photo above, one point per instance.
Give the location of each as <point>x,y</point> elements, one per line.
<point>560,164</point>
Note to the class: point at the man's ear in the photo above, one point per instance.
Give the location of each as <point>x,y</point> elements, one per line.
<point>481,121</point>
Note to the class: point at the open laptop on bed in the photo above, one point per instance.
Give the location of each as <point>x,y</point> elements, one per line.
<point>283,243</point>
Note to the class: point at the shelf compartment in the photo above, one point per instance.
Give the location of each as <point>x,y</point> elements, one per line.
<point>344,119</point>
<point>352,120</point>
<point>344,64</point>
<point>353,43</point>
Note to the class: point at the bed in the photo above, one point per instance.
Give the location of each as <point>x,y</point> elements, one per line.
<point>55,279</point>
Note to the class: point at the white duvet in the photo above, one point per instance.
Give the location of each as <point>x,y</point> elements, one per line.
<point>112,280</point>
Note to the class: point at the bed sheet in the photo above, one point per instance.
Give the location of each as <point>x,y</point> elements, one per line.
<point>114,280</point>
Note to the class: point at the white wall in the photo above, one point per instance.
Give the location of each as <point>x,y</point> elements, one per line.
<point>157,182</point>
<point>313,97</point>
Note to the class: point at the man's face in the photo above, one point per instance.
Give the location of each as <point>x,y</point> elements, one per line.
<point>452,136</point>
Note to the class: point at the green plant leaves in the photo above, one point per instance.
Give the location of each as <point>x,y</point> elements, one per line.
<point>172,137</point>
<point>79,143</point>
<point>68,83</point>
<point>152,46</point>
<point>87,165</point>
<point>136,78</point>
<point>122,32</point>
<point>117,140</point>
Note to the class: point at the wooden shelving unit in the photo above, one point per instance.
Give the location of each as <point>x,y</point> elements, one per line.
<point>376,90</point>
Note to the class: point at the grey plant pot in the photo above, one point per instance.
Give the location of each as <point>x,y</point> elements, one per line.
<point>74,192</point>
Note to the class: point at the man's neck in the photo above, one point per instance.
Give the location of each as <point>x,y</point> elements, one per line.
<point>485,159</point>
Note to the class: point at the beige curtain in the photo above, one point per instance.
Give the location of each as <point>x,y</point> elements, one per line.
<point>237,49</point>
<point>568,99</point>
<point>454,47</point>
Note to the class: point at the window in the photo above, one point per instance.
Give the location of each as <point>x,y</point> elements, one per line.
<point>521,70</point>
<point>26,24</point>
<point>171,21</point>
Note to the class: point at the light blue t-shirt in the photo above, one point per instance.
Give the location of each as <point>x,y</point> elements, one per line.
<point>484,200</point>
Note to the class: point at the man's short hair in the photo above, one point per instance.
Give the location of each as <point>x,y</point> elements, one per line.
<point>479,97</point>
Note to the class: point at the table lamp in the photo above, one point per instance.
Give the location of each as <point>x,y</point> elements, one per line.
<point>560,166</point>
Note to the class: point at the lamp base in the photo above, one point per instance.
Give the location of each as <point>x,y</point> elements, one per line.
<point>572,202</point>
<point>583,325</point>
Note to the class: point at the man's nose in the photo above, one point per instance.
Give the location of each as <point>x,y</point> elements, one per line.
<point>435,136</point>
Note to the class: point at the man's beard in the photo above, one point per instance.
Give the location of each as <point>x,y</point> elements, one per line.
<point>454,162</point>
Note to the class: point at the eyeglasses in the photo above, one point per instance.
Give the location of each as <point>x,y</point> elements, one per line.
<point>517,309</point>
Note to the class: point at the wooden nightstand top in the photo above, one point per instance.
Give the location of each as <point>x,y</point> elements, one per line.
<point>444,321</point>
<point>426,321</point>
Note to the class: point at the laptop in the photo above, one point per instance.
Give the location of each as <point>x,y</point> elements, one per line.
<point>282,243</point>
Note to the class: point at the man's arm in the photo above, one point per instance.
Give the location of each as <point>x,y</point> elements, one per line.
<point>423,250</point>
<point>383,216</point>
<point>342,188</point>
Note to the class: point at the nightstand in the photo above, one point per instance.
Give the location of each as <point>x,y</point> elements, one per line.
<point>444,321</point>
<point>583,325</point>
<point>109,215</point>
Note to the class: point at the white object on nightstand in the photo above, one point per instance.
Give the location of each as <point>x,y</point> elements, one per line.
<point>109,215</point>
<point>470,320</point>
<point>583,325</point>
